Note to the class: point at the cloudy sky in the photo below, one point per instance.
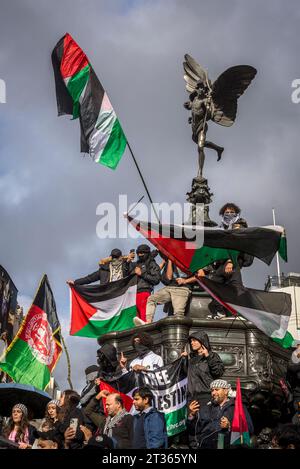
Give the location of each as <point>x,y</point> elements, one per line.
<point>49,192</point>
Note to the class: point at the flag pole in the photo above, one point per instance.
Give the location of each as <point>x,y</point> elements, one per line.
<point>68,362</point>
<point>143,180</point>
<point>277,256</point>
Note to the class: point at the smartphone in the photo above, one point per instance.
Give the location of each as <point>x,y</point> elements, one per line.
<point>74,424</point>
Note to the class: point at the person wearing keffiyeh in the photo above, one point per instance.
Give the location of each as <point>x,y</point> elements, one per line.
<point>118,424</point>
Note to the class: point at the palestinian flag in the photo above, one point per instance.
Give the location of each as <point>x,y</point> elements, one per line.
<point>80,93</point>
<point>269,311</point>
<point>34,352</point>
<point>194,247</point>
<point>124,386</point>
<point>98,309</point>
<point>169,387</point>
<point>239,428</point>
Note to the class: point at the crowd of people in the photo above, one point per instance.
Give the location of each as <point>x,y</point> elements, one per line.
<point>98,418</point>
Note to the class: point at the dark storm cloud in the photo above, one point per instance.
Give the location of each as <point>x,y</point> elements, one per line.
<point>49,193</point>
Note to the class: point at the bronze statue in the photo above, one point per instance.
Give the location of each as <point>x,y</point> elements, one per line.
<point>215,101</point>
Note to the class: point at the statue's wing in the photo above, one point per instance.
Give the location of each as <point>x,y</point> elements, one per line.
<point>226,90</point>
<point>193,73</point>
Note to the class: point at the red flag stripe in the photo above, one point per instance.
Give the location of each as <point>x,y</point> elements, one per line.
<point>81,312</point>
<point>128,401</point>
<point>73,59</point>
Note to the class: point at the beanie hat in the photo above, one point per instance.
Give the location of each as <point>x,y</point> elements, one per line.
<point>91,369</point>
<point>116,253</point>
<point>220,383</point>
<point>53,401</point>
<point>22,408</point>
<point>143,248</point>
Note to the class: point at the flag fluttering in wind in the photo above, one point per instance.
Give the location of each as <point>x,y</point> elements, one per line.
<point>80,94</point>
<point>169,388</point>
<point>239,428</point>
<point>269,311</point>
<point>192,248</point>
<point>34,352</point>
<point>99,309</point>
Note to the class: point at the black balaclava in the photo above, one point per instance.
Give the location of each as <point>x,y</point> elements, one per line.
<point>107,359</point>
<point>141,349</point>
<point>143,252</point>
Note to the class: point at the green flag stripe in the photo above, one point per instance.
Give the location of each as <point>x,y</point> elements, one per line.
<point>207,255</point>
<point>76,85</point>
<point>176,421</point>
<point>283,248</point>
<point>120,322</point>
<point>23,367</point>
<point>114,148</point>
<point>286,342</point>
<point>240,438</point>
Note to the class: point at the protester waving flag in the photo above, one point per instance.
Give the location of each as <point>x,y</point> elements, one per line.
<point>80,93</point>
<point>96,310</point>
<point>34,352</point>
<point>239,428</point>
<point>194,247</point>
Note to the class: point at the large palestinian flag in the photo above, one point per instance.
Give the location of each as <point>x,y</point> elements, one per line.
<point>169,387</point>
<point>269,311</point>
<point>98,309</point>
<point>80,93</point>
<point>34,352</point>
<point>194,247</point>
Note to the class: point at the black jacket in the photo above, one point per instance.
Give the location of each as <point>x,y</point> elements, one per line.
<point>77,442</point>
<point>202,370</point>
<point>101,275</point>
<point>293,377</point>
<point>122,433</point>
<point>204,428</point>
<point>150,274</point>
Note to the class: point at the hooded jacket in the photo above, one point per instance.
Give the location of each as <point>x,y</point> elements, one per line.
<point>90,389</point>
<point>202,370</point>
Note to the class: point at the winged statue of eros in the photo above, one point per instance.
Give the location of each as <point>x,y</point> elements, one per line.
<point>218,100</point>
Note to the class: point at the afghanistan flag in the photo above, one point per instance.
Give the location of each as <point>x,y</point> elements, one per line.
<point>269,311</point>
<point>34,352</point>
<point>80,93</point>
<point>239,428</point>
<point>98,309</point>
<point>194,247</point>
<point>169,387</point>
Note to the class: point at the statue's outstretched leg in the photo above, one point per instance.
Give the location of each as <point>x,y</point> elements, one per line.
<point>215,147</point>
<point>201,158</point>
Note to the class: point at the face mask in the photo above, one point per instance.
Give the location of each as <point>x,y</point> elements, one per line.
<point>230,218</point>
<point>141,349</point>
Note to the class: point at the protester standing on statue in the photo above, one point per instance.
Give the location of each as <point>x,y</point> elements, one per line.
<point>148,272</point>
<point>203,366</point>
<point>175,293</point>
<point>224,271</point>
<point>110,269</point>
